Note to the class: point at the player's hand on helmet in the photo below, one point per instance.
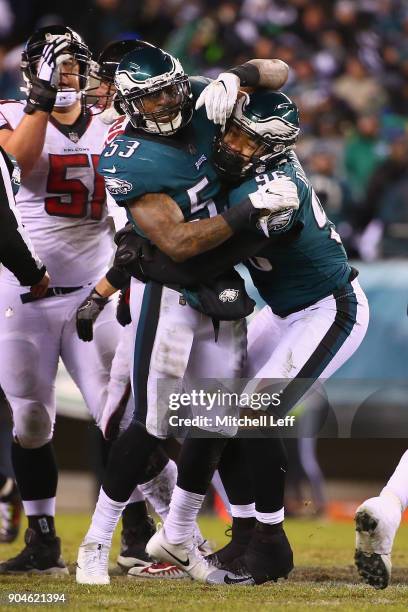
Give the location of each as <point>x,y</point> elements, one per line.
<point>51,59</point>
<point>43,88</point>
<point>275,196</point>
<point>219,97</point>
<point>40,289</point>
<point>87,313</point>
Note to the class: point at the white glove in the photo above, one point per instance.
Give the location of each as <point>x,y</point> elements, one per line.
<point>48,66</point>
<point>276,195</point>
<point>219,97</point>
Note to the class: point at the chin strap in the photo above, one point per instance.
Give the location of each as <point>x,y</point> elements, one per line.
<point>66,97</point>
<point>163,128</point>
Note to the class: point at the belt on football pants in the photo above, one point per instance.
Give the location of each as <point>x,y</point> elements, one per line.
<point>52,292</point>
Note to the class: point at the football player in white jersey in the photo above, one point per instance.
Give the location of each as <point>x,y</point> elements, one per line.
<point>377,520</point>
<point>62,204</point>
<point>17,255</point>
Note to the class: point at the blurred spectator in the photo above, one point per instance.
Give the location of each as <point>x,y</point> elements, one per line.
<point>361,91</point>
<point>364,149</point>
<point>387,200</point>
<point>348,60</point>
<point>332,191</point>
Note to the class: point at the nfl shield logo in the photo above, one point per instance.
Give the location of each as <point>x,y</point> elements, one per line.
<point>73,136</point>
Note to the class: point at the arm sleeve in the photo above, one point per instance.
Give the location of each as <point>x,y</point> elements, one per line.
<point>15,246</point>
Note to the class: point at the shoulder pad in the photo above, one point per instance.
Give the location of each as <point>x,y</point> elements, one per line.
<point>198,83</point>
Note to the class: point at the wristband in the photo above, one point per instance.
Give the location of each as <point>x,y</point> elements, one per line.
<point>239,216</point>
<point>247,73</point>
<point>41,96</point>
<point>98,298</point>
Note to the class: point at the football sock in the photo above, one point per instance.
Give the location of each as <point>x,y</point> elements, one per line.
<point>159,489</point>
<point>270,518</point>
<point>268,464</point>
<point>198,460</point>
<point>180,522</point>
<point>6,486</point>
<point>104,520</point>
<point>157,462</point>
<point>243,512</point>
<point>235,474</point>
<point>42,524</point>
<point>39,507</point>
<point>134,514</point>
<point>398,483</point>
<point>36,471</point>
<point>129,461</point>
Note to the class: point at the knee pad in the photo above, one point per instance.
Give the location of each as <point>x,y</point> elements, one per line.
<point>32,425</point>
<point>19,375</point>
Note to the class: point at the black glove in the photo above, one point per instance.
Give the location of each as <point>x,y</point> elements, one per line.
<point>132,251</point>
<point>87,314</point>
<point>131,246</point>
<point>41,96</point>
<point>44,86</point>
<point>123,308</point>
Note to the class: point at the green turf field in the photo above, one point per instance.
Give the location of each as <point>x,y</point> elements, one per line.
<point>324,578</point>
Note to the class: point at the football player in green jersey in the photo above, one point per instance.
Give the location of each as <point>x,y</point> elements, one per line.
<point>316,314</point>
<point>158,168</point>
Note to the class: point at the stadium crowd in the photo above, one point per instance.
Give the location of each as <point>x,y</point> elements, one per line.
<point>349,61</point>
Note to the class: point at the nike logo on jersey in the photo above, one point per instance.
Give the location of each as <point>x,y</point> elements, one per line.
<point>185,563</point>
<point>111,170</point>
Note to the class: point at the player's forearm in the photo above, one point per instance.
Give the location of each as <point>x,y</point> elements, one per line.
<point>162,221</point>
<point>104,288</point>
<point>185,240</point>
<point>26,142</point>
<point>273,73</point>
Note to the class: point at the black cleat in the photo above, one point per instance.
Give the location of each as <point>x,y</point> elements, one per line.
<point>10,515</point>
<point>41,555</point>
<point>268,555</point>
<point>133,544</point>
<point>372,569</point>
<point>240,538</point>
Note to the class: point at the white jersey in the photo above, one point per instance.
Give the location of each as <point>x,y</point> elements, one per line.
<point>62,201</point>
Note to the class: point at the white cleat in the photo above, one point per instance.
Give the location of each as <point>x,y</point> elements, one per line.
<point>377,521</point>
<point>188,558</point>
<point>155,571</point>
<point>92,564</point>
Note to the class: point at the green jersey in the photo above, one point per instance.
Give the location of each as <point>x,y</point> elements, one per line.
<point>304,260</point>
<point>137,163</point>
